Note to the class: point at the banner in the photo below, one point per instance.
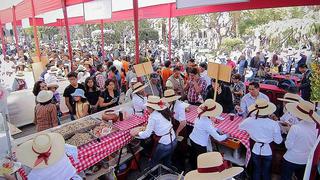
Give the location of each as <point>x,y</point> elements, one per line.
<point>197,3</point>
<point>98,9</point>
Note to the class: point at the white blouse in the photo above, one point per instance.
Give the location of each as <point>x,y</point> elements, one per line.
<point>262,130</point>
<point>179,111</point>
<point>160,126</point>
<point>203,127</point>
<point>300,140</point>
<point>139,104</point>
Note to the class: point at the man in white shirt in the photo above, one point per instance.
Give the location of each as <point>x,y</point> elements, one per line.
<point>204,74</point>
<point>263,131</point>
<point>138,98</point>
<point>300,140</point>
<point>117,64</point>
<point>250,98</point>
<point>8,66</point>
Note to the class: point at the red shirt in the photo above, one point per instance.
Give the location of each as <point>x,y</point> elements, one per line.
<point>231,64</point>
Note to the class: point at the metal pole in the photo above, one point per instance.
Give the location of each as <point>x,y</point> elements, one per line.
<point>169,38</point>
<point>102,40</point>
<point>136,28</point>
<point>35,31</point>
<point>15,27</point>
<point>65,14</point>
<point>2,40</point>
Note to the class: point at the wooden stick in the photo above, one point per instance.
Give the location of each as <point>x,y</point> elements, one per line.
<point>216,85</point>
<point>150,85</point>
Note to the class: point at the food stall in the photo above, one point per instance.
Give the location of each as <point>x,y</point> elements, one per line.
<point>97,140</point>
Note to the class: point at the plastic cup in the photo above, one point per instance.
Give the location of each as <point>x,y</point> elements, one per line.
<point>232,116</point>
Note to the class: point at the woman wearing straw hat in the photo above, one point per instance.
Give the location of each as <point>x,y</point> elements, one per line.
<point>177,108</point>
<point>45,111</point>
<point>287,119</point>
<point>300,139</point>
<point>203,128</point>
<point>262,131</point>
<point>211,166</point>
<point>164,135</point>
<point>19,82</point>
<point>138,98</point>
<point>45,154</point>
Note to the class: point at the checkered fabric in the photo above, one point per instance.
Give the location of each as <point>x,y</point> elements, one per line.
<point>131,122</point>
<point>93,152</point>
<point>226,126</point>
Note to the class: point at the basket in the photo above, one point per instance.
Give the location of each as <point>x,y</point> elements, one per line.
<point>160,172</point>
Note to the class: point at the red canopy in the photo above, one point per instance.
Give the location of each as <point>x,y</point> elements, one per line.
<point>23,10</point>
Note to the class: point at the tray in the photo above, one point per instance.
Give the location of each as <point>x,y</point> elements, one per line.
<point>16,166</point>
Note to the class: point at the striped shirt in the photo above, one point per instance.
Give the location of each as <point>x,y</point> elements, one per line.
<point>45,116</point>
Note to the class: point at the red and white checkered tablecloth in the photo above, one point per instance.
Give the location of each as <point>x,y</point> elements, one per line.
<point>226,126</point>
<point>131,122</point>
<point>232,128</point>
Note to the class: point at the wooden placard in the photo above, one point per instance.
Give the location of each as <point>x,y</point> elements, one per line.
<point>219,71</point>
<point>143,69</point>
<point>37,69</point>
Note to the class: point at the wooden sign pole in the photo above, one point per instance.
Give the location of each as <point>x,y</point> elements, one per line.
<point>150,84</point>
<point>216,86</point>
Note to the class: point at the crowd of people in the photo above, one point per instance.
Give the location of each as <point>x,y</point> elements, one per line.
<point>98,83</point>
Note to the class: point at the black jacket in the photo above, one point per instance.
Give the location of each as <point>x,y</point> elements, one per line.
<point>224,98</point>
<point>305,86</point>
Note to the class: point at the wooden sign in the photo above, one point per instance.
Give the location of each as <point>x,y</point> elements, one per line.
<point>143,69</point>
<point>219,71</point>
<point>37,69</point>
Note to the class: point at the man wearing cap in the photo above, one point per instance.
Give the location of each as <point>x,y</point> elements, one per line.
<point>262,131</point>
<point>250,98</point>
<point>305,86</point>
<point>300,139</point>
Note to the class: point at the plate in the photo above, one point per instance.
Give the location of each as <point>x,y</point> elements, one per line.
<point>16,166</point>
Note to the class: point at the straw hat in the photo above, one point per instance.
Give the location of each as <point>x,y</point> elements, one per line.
<point>303,110</point>
<point>169,84</point>
<point>209,108</point>
<point>138,87</point>
<point>19,75</point>
<point>78,92</point>
<point>170,96</point>
<point>44,96</point>
<point>262,108</point>
<point>41,152</point>
<point>290,98</point>
<point>53,84</point>
<point>81,68</point>
<point>53,70</point>
<point>210,166</point>
<point>133,80</point>
<point>155,103</point>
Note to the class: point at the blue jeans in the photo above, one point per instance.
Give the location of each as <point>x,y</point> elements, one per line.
<point>289,168</point>
<point>261,167</point>
<point>163,153</point>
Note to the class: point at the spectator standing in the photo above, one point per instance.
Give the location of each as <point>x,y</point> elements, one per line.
<point>195,88</point>
<point>72,77</point>
<point>155,85</point>
<point>177,82</point>
<point>109,97</point>
<point>166,72</point>
<point>45,111</point>
<point>242,66</point>
<point>100,78</point>
<point>302,60</point>
<point>305,86</point>
<point>224,96</point>
<point>92,93</point>
<point>238,90</point>
<point>19,82</point>
<point>204,74</point>
<point>255,64</point>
